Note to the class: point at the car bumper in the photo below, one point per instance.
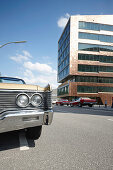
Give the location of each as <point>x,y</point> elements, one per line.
<point>15,120</point>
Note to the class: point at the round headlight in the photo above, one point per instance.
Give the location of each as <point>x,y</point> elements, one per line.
<point>22,100</point>
<point>36,100</point>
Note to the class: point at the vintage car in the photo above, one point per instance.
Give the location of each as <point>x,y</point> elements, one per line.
<point>54,102</point>
<point>24,106</point>
<point>63,102</point>
<point>83,101</point>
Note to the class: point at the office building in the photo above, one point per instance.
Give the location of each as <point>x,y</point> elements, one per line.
<point>85,58</point>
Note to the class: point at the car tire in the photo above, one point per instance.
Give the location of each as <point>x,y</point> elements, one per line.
<point>80,105</point>
<point>71,105</point>
<point>56,104</point>
<point>90,105</point>
<point>34,132</point>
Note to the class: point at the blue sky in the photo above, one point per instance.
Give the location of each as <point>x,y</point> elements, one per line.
<point>40,23</point>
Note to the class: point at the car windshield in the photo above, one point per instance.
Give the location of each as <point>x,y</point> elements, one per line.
<point>85,98</point>
<point>76,99</point>
<point>11,80</point>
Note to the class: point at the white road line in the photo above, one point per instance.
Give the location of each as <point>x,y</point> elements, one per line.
<point>110,119</point>
<point>23,141</point>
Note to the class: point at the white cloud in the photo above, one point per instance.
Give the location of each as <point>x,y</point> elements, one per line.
<point>63,20</point>
<point>35,73</point>
<point>67,15</point>
<point>31,77</point>
<point>26,53</point>
<point>20,58</point>
<point>44,68</point>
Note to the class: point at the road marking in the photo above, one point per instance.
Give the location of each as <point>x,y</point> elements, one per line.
<point>23,141</point>
<point>110,119</point>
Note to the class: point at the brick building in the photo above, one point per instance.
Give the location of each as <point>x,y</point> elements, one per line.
<point>85,58</point>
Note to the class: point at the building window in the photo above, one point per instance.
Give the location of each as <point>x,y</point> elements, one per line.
<point>102,38</point>
<point>63,64</point>
<point>88,36</point>
<point>94,26</point>
<point>63,73</point>
<point>88,57</point>
<point>87,68</point>
<point>64,35</point>
<point>93,89</point>
<point>64,46</point>
<point>93,68</point>
<point>63,90</point>
<point>87,89</point>
<point>93,79</point>
<point>94,47</point>
<point>101,58</point>
<point>86,79</point>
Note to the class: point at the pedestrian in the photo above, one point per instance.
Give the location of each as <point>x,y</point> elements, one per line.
<point>105,103</point>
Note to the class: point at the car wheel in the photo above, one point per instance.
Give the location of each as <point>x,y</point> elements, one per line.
<point>90,105</point>
<point>80,105</point>
<point>71,105</point>
<point>56,104</point>
<point>34,132</point>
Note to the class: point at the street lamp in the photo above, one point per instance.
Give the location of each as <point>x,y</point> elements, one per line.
<point>15,42</point>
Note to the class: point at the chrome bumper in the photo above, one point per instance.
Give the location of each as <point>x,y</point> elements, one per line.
<point>15,120</point>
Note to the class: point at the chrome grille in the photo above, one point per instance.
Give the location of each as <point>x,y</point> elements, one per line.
<point>8,100</point>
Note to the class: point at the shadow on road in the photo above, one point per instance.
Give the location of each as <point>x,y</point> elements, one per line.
<point>82,110</point>
<point>10,140</point>
<point>31,143</point>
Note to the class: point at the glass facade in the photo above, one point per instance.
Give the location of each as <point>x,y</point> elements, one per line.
<point>63,64</point>
<point>102,38</point>
<point>94,68</point>
<point>63,73</point>
<point>93,89</point>
<point>64,35</point>
<point>87,68</point>
<point>92,79</point>
<point>63,90</point>
<point>63,56</point>
<point>94,26</point>
<point>94,47</point>
<point>63,53</point>
<point>101,58</point>
<point>64,46</point>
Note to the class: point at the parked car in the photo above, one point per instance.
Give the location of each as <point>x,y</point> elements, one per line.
<point>83,101</point>
<point>63,102</point>
<point>54,102</point>
<point>24,106</point>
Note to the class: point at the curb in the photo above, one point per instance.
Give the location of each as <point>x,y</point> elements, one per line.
<point>99,108</point>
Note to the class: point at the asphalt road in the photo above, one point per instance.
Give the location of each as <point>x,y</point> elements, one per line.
<point>78,139</point>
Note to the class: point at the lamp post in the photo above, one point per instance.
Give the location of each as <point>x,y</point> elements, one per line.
<point>15,42</point>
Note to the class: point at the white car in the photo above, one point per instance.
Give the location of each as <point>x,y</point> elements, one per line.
<point>54,102</point>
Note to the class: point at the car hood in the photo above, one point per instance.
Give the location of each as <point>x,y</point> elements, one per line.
<point>20,87</point>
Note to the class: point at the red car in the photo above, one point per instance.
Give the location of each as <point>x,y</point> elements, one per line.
<point>63,102</point>
<point>82,101</point>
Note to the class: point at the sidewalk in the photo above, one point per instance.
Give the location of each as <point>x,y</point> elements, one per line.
<point>101,107</point>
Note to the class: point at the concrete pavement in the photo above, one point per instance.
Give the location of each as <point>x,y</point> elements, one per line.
<point>78,139</point>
